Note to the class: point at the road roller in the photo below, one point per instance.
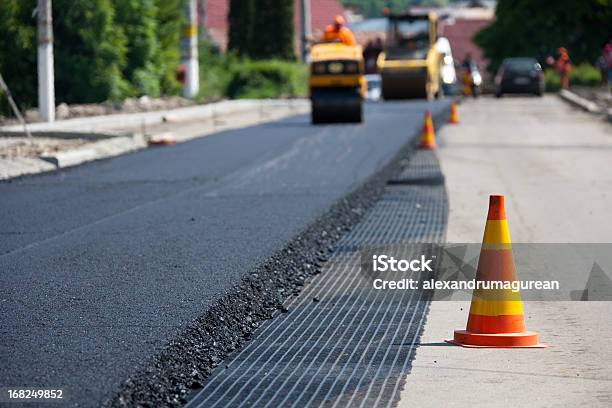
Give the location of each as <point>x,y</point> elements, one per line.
<point>410,63</point>
<point>337,83</point>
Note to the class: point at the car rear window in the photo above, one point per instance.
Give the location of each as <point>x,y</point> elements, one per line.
<point>525,65</point>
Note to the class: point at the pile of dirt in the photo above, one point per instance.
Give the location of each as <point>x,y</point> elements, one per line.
<point>18,147</point>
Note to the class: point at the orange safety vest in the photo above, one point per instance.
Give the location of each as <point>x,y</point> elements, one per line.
<point>563,63</point>
<point>344,35</point>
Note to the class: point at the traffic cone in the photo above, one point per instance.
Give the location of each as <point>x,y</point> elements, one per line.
<point>428,138</point>
<point>162,139</point>
<point>496,315</point>
<point>454,116</point>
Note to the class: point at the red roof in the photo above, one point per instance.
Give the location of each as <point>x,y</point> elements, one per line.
<point>322,13</point>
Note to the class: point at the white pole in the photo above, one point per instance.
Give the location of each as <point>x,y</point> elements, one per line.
<point>190,52</point>
<point>46,88</point>
<point>306,28</point>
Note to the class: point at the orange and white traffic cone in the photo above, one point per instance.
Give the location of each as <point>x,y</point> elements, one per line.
<point>428,138</point>
<point>454,116</point>
<point>162,139</point>
<point>496,315</point>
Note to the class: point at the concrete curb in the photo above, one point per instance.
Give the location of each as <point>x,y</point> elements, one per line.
<point>61,134</point>
<point>95,151</point>
<point>579,101</point>
<point>105,123</point>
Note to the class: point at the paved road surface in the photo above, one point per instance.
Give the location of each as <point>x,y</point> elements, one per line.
<point>102,264</point>
<point>553,165</point>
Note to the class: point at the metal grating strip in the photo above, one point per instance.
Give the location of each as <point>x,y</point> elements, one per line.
<point>353,345</point>
<point>422,169</point>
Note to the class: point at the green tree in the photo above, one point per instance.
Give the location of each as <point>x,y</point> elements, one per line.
<point>274,28</point>
<point>170,18</point>
<point>241,18</point>
<point>18,51</point>
<point>138,20</point>
<point>261,32</point>
<point>90,52</point>
<point>538,27</point>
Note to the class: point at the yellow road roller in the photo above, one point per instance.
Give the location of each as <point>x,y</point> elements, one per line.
<point>410,64</point>
<point>337,83</point>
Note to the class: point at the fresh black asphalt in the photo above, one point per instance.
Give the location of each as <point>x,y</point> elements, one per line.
<point>101,265</point>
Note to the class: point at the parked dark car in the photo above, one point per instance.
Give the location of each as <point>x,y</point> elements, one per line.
<point>519,75</point>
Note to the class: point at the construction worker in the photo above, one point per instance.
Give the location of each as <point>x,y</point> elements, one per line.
<point>467,79</point>
<point>337,32</point>
<point>563,65</point>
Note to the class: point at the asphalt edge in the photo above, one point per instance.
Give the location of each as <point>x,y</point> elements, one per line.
<point>179,370</point>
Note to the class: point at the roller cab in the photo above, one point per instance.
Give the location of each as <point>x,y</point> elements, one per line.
<point>410,64</point>
<point>337,83</point>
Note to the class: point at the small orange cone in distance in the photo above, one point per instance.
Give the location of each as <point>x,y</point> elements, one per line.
<point>162,139</point>
<point>496,315</point>
<point>454,115</point>
<point>428,138</point>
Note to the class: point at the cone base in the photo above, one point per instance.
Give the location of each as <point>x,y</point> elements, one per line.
<point>527,339</point>
<point>425,145</point>
<point>453,121</point>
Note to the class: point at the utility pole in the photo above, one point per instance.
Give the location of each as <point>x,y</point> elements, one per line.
<point>306,26</point>
<point>46,87</point>
<point>189,47</point>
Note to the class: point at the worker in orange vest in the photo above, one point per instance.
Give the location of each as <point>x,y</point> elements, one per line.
<point>563,65</point>
<point>337,32</point>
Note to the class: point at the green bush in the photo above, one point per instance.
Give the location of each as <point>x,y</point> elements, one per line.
<point>170,19</point>
<point>214,71</point>
<point>267,79</point>
<point>230,76</point>
<point>139,23</point>
<point>89,52</point>
<point>551,78</point>
<point>585,75</point>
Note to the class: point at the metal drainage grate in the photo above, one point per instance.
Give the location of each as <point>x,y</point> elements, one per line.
<point>342,343</point>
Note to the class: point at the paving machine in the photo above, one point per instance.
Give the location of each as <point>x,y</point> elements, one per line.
<point>337,82</point>
<point>410,64</point>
